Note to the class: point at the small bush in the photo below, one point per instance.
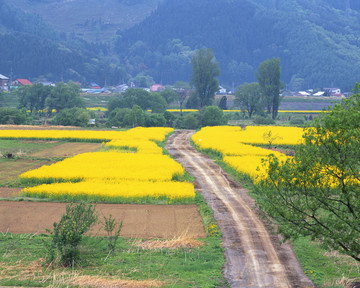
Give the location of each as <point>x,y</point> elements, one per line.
<point>14,116</point>
<point>72,117</point>
<point>213,116</point>
<point>155,120</point>
<point>190,121</point>
<point>68,233</point>
<point>263,120</point>
<point>297,121</point>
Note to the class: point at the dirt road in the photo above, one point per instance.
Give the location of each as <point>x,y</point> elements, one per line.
<point>253,256</point>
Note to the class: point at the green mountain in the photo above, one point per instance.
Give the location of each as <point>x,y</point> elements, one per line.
<point>114,40</point>
<point>92,20</point>
<point>316,40</point>
<point>31,48</point>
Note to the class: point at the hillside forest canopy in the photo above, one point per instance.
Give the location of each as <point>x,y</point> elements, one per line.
<point>304,34</point>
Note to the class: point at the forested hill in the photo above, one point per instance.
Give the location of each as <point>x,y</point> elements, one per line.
<point>32,49</point>
<point>317,41</point>
<point>92,20</point>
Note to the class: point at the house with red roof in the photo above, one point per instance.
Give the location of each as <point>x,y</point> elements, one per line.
<point>157,88</point>
<point>22,82</point>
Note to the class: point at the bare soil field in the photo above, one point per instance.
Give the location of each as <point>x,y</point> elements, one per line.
<point>9,192</point>
<point>67,150</point>
<point>254,257</point>
<point>140,221</point>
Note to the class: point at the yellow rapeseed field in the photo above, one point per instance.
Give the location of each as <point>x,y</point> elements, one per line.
<point>108,175</point>
<point>107,165</point>
<point>124,189</point>
<point>234,143</point>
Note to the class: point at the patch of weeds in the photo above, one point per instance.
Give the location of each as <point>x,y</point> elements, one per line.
<point>207,215</point>
<point>324,268</point>
<point>187,177</point>
<point>180,267</point>
<point>113,232</point>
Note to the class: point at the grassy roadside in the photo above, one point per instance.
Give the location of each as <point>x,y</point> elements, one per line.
<point>324,268</point>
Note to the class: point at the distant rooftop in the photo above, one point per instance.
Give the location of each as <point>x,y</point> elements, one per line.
<point>24,81</point>
<point>2,77</point>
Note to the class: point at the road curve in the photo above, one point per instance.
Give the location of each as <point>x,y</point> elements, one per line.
<point>254,257</point>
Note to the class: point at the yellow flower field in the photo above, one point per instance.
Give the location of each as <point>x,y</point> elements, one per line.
<point>107,165</point>
<point>108,175</point>
<point>139,138</point>
<point>251,164</point>
<point>131,190</point>
<point>234,143</point>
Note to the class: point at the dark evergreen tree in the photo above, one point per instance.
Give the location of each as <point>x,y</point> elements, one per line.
<point>204,70</point>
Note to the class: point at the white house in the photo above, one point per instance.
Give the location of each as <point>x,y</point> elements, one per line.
<point>222,90</point>
<point>4,83</point>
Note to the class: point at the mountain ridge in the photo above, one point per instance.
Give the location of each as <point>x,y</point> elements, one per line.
<point>316,40</point>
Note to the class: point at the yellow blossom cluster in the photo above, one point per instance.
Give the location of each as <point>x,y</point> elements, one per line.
<point>104,175</point>
<point>102,109</point>
<point>108,165</point>
<point>234,144</point>
<point>123,189</point>
<point>226,139</point>
<point>138,138</point>
<point>252,165</point>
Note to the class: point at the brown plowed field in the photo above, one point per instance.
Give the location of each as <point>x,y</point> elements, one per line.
<point>254,257</point>
<point>9,192</point>
<point>140,221</point>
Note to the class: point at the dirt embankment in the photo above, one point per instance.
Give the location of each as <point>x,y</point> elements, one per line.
<point>254,257</point>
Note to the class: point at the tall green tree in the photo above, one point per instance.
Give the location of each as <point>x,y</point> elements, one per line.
<point>204,70</point>
<point>169,95</point>
<point>127,117</point>
<point>248,98</point>
<point>268,76</point>
<point>317,193</point>
<point>33,97</point>
<point>65,96</point>
<point>157,103</point>
<point>139,97</point>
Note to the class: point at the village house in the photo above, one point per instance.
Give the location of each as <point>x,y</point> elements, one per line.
<point>4,83</point>
<point>157,88</point>
<point>332,91</point>
<point>221,91</point>
<point>21,82</point>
